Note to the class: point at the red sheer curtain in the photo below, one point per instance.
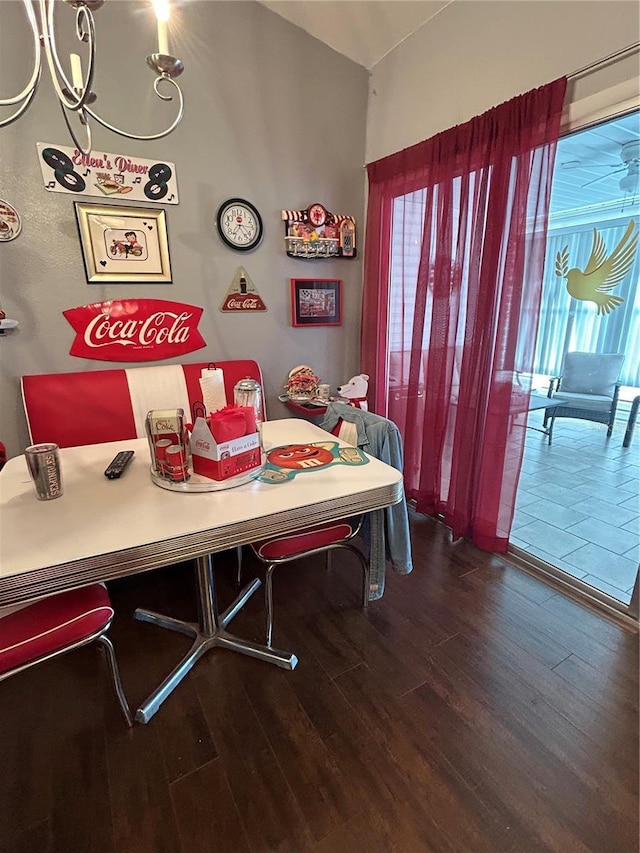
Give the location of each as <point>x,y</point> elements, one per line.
<point>455,245</point>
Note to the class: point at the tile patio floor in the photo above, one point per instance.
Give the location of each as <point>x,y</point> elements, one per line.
<point>578,506</point>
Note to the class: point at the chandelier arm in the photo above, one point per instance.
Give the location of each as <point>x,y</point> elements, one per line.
<point>83,149</point>
<point>76,98</point>
<point>30,89</point>
<point>160,135</point>
<point>67,96</point>
<point>23,107</point>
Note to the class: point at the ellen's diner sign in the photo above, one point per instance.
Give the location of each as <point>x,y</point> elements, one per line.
<point>135,329</point>
<point>118,176</point>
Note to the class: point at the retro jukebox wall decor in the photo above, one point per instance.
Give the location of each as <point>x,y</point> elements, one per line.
<point>316,233</point>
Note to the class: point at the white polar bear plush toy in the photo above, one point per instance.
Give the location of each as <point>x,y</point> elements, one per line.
<point>355,391</point>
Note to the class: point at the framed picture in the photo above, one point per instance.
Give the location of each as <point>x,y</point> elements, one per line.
<point>123,244</point>
<point>316,302</point>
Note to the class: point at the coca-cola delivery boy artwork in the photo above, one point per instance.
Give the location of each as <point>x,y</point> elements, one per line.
<point>123,244</point>
<point>135,329</point>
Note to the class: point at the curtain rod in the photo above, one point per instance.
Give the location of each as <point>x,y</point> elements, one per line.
<point>623,50</point>
<point>628,49</point>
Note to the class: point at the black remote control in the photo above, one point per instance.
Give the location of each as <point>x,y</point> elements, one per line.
<point>116,467</point>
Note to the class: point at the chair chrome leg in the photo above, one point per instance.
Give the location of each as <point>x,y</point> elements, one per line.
<point>366,579</point>
<point>268,597</point>
<point>107,645</point>
<point>239,569</point>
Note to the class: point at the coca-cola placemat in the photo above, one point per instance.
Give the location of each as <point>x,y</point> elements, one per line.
<point>135,329</point>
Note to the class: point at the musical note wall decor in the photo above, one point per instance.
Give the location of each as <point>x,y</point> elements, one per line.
<point>67,170</point>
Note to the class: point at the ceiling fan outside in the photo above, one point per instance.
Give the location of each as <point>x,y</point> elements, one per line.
<point>630,163</point>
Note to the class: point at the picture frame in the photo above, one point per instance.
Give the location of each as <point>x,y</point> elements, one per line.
<point>316,302</point>
<point>123,244</point>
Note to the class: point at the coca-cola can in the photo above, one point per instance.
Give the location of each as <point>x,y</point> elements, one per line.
<point>43,462</point>
<point>176,463</point>
<point>161,446</point>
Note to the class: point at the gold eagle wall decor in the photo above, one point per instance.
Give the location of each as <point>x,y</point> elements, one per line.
<point>601,273</point>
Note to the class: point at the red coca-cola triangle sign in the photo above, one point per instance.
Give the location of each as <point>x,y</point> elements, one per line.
<point>243,294</point>
<point>135,329</point>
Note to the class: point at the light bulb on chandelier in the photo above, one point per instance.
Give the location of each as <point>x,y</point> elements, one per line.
<point>75,96</point>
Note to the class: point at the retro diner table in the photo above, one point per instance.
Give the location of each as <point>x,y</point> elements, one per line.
<point>102,529</point>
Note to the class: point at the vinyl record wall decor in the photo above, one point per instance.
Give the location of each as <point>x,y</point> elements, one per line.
<point>103,174</point>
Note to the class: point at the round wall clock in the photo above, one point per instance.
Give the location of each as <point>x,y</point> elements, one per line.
<point>317,214</point>
<point>239,224</point>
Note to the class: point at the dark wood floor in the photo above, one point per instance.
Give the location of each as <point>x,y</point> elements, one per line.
<point>473,708</point>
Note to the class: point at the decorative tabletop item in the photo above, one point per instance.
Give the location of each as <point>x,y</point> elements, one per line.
<point>283,463</point>
<point>355,390</point>
<point>302,383</point>
<point>316,233</point>
<point>239,224</point>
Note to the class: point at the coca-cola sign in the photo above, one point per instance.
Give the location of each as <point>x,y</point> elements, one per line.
<point>238,302</point>
<point>135,329</point>
<point>243,294</point>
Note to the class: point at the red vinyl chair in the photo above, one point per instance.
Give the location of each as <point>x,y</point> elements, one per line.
<point>321,538</point>
<point>51,626</point>
<point>303,543</point>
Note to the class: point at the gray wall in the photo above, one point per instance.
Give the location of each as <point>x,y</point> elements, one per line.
<point>478,53</point>
<point>272,115</point>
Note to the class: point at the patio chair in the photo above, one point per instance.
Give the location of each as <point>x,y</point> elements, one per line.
<point>589,386</point>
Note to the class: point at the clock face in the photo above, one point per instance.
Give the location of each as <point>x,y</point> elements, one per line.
<point>317,215</point>
<point>239,224</point>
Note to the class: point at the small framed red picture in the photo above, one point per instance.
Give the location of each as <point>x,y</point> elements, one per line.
<point>316,302</point>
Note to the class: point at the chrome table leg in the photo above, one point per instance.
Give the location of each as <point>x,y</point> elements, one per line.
<point>209,634</point>
<point>190,629</point>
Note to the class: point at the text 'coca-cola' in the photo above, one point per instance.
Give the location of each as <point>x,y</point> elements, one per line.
<point>135,329</point>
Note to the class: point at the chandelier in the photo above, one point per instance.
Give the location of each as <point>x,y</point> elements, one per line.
<point>76,95</point>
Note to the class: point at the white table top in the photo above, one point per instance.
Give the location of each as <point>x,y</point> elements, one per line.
<point>102,529</point>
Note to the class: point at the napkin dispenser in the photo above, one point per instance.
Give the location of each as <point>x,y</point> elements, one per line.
<point>165,429</point>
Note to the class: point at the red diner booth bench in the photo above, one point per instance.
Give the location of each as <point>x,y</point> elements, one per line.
<point>96,406</point>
